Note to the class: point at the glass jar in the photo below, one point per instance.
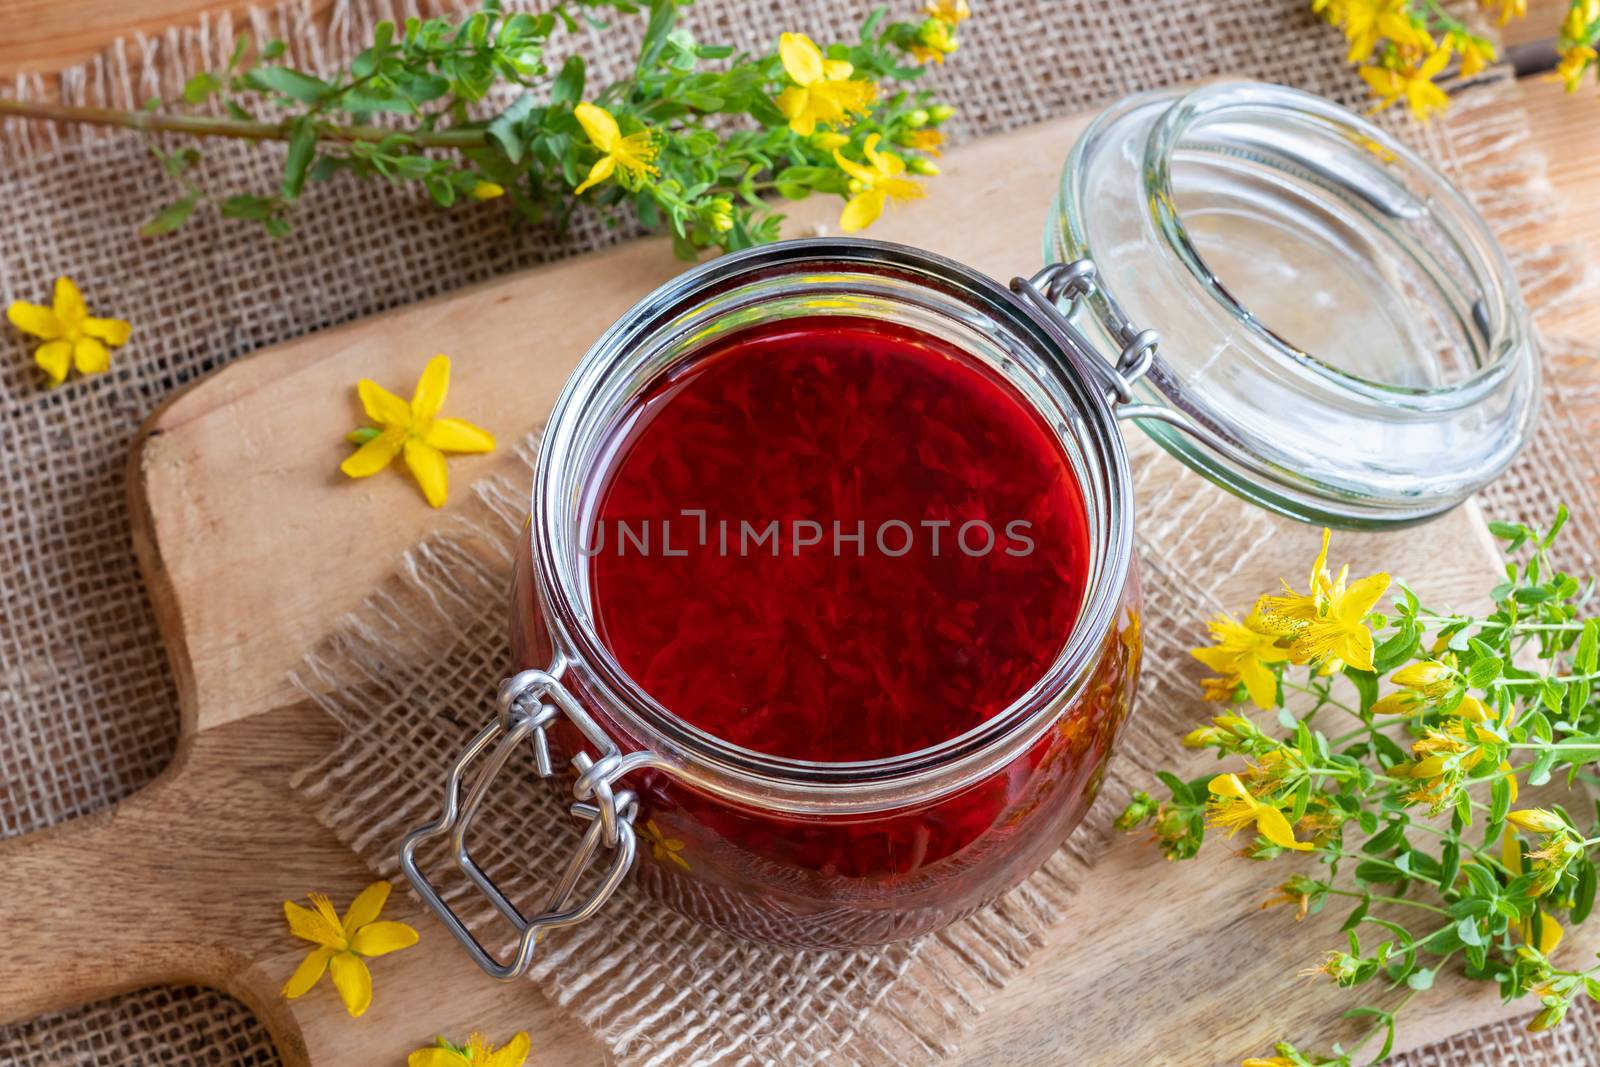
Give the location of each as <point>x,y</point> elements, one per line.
<point>1290,191</point>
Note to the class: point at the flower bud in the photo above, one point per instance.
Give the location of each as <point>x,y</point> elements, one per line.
<point>1537,820</point>
<point>922,165</point>
<point>1139,808</point>
<point>1203,737</point>
<point>854,185</point>
<point>1430,677</point>
<point>1473,709</point>
<point>487,191</point>
<point>918,118</point>
<point>940,112</point>
<point>828,141</point>
<point>1400,702</point>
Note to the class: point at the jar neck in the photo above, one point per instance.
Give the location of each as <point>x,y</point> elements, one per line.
<point>826,277</point>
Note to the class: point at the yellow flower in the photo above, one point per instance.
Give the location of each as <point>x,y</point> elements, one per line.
<point>1366,22</point>
<point>627,157</point>
<point>1241,655</point>
<point>823,90</point>
<point>935,39</point>
<point>415,429</point>
<point>477,1052</point>
<point>663,847</point>
<point>1537,820</point>
<point>1476,53</point>
<point>952,12</point>
<point>72,338</point>
<point>924,140</point>
<point>1328,624</point>
<point>1416,84</point>
<point>872,185</point>
<point>1269,1061</point>
<point>487,190</point>
<point>1509,9</point>
<point>1574,63</point>
<point>1233,808</point>
<point>341,944</point>
<point>1472,709</point>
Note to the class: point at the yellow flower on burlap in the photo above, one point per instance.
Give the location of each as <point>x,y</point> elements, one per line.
<point>71,336</point>
<point>341,944</point>
<point>415,430</point>
<point>934,40</point>
<point>628,158</point>
<point>477,1052</point>
<point>952,12</point>
<point>872,185</point>
<point>823,90</point>
<point>1414,83</point>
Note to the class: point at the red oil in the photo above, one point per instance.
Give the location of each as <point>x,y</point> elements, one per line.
<point>835,539</point>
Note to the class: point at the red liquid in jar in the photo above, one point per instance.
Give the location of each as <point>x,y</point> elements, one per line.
<point>836,650</point>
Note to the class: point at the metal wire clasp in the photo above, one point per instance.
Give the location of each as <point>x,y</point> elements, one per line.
<point>529,702</point>
<point>1075,282</point>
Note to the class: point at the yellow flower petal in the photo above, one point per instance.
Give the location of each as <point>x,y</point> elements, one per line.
<point>90,356</point>
<point>437,1057</point>
<point>33,319</point>
<point>792,103</point>
<point>313,926</point>
<point>1361,597</point>
<point>1229,785</point>
<point>382,406</point>
<point>366,907</point>
<point>599,124</point>
<point>54,358</point>
<point>602,169</point>
<point>353,981</point>
<point>861,211</point>
<point>382,938</point>
<point>68,305</point>
<point>458,435</point>
<point>1259,682</point>
<point>1275,828</point>
<point>1550,933</point>
<point>308,973</point>
<point>426,464</point>
<point>837,69</point>
<point>376,454</point>
<point>111,331</point>
<point>512,1054</point>
<point>431,389</point>
<point>802,59</point>
<point>487,190</point>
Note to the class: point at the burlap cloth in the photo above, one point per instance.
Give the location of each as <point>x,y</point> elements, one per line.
<point>87,710</point>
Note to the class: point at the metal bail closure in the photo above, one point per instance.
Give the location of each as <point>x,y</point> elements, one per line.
<point>1074,283</point>
<point>529,702</point>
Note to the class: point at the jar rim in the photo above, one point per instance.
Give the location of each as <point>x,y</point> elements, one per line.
<point>1275,424</point>
<point>1216,102</point>
<point>781,781</point>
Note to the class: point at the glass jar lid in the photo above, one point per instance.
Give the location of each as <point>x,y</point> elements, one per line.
<point>1341,339</point>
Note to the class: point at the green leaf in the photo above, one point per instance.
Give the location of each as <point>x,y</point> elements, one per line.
<point>289,82</point>
<point>1358,913</point>
<point>198,89</point>
<point>1422,978</point>
<point>273,49</point>
<point>567,89</point>
<point>302,147</point>
<point>1587,658</point>
<point>245,206</point>
<point>503,130</point>
<point>1484,671</point>
<point>170,217</point>
<point>1539,773</point>
<point>1499,799</point>
<point>663,13</point>
<point>1467,930</point>
<point>1583,894</point>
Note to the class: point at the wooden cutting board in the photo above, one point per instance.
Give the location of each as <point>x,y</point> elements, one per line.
<point>254,545</point>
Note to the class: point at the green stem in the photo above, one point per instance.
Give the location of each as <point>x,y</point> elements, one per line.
<point>215,126</point>
<point>1389,900</point>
